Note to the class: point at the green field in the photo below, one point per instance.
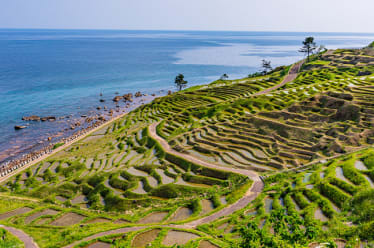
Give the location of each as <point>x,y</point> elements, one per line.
<point>311,141</point>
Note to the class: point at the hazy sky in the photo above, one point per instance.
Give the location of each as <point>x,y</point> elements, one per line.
<point>246,15</point>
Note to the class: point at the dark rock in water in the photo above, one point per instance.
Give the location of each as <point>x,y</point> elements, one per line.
<point>98,108</point>
<point>128,97</point>
<point>48,118</point>
<point>19,127</point>
<point>31,118</point>
<point>83,116</point>
<point>102,100</point>
<point>117,98</point>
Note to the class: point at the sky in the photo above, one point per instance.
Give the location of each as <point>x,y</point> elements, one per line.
<point>235,15</point>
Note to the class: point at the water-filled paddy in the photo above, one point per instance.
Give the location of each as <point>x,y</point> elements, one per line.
<point>181,214</point>
<point>153,218</point>
<point>34,216</point>
<point>178,238</point>
<point>68,219</point>
<point>143,239</point>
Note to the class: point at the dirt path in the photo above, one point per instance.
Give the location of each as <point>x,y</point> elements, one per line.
<point>19,197</point>
<point>292,74</point>
<point>26,239</point>
<point>329,52</point>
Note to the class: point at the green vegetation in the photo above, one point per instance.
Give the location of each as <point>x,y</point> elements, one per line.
<point>308,47</point>
<point>7,240</point>
<point>57,145</point>
<point>180,83</point>
<point>296,137</point>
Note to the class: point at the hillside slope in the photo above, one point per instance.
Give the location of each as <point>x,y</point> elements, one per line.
<point>217,165</point>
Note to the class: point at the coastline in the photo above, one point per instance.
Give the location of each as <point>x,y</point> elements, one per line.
<point>7,171</point>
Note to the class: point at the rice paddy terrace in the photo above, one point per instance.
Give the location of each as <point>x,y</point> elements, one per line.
<point>185,169</point>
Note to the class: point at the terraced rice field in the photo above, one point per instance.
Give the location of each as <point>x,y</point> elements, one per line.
<point>195,181</point>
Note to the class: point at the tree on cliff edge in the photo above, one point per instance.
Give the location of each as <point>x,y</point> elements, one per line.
<point>180,83</point>
<point>266,66</point>
<point>308,47</point>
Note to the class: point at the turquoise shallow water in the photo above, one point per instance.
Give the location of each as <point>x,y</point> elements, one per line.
<point>62,72</point>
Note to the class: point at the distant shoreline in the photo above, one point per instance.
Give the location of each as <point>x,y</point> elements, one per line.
<point>54,151</point>
<point>9,168</point>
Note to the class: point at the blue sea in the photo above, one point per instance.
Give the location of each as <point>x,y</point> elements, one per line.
<point>62,72</point>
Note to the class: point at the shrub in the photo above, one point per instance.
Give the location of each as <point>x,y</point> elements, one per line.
<point>96,180</point>
<point>140,149</point>
<point>114,203</point>
<point>174,190</point>
<point>202,180</point>
<point>323,203</point>
<point>165,191</point>
<point>72,169</point>
<point>216,200</point>
<point>288,203</point>
<point>336,195</point>
<point>119,184</point>
<point>347,187</point>
<point>351,173</point>
<point>195,206</point>
<point>369,160</point>
<point>121,146</point>
<point>57,145</point>
<point>300,200</point>
<point>86,189</point>
<point>363,211</point>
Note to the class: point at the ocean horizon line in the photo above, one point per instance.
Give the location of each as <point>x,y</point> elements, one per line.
<point>189,30</point>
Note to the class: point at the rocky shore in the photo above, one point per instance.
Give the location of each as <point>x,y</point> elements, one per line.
<point>12,165</point>
<point>86,124</point>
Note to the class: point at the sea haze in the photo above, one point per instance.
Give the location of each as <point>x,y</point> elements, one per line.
<point>62,72</point>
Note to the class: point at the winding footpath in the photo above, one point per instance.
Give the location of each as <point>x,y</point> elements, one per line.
<point>26,239</point>
<point>251,194</point>
<point>292,74</point>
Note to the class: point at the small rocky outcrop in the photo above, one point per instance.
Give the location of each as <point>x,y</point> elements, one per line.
<point>117,98</point>
<point>18,127</point>
<point>48,118</point>
<point>31,118</point>
<point>128,97</point>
